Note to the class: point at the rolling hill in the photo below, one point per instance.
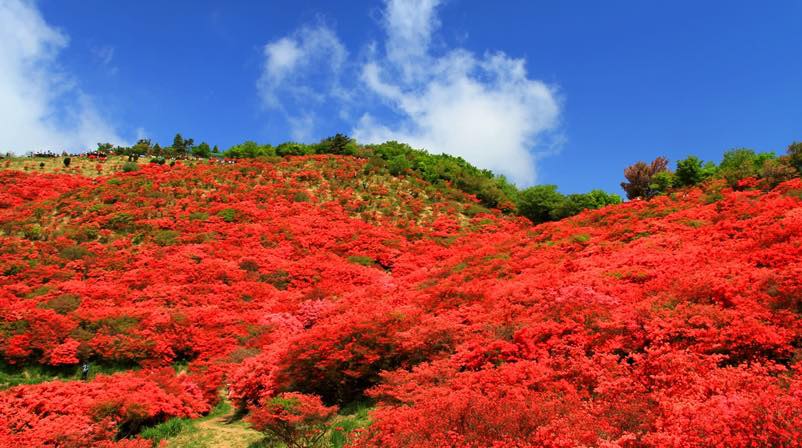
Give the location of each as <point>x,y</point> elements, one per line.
<point>305,288</point>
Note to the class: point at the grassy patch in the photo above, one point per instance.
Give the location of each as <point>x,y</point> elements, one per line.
<point>168,429</point>
<point>580,238</point>
<point>198,216</point>
<point>165,237</point>
<point>363,260</point>
<point>351,418</point>
<point>228,214</point>
<point>15,375</point>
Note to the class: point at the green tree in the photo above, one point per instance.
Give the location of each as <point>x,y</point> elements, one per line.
<point>203,150</point>
<point>540,203</point>
<point>250,149</point>
<point>294,149</point>
<point>141,148</point>
<point>775,171</point>
<point>689,172</point>
<point>179,146</point>
<point>795,155</point>
<point>741,163</point>
<point>576,203</point>
<point>662,182</point>
<point>398,165</point>
<point>104,148</point>
<point>338,144</point>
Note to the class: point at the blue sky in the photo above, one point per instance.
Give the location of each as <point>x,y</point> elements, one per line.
<point>547,92</point>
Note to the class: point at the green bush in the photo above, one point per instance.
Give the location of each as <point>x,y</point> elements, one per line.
<point>75,252</point>
<point>130,166</point>
<point>63,304</point>
<point>121,222</point>
<point>165,237</point>
<point>795,155</point>
<point>662,182</point>
<point>166,430</point>
<point>279,279</point>
<point>363,260</point>
<point>301,196</point>
<point>198,216</point>
<point>228,214</point>
<point>540,203</point>
<point>741,163</point>
<point>690,171</point>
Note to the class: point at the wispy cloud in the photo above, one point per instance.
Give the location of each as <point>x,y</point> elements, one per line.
<point>43,106</point>
<point>484,108</point>
<point>104,55</point>
<point>300,73</point>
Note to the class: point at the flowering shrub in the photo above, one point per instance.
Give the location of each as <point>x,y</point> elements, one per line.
<point>296,420</point>
<point>80,414</point>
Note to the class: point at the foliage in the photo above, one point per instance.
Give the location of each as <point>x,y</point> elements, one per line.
<point>776,171</point>
<point>640,177</point>
<point>795,155</point>
<point>691,171</point>
<point>540,203</point>
<point>249,150</point>
<point>203,150</point>
<point>48,414</point>
<point>544,203</point>
<point>741,163</point>
<point>296,420</point>
<point>167,429</point>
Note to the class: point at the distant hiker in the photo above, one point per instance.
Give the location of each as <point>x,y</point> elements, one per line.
<point>85,371</point>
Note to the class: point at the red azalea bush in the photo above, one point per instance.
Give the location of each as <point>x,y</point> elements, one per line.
<point>296,420</point>
<point>78,414</point>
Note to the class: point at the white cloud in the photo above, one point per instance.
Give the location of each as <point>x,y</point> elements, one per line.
<point>409,26</point>
<point>282,57</point>
<point>293,63</point>
<point>302,126</point>
<point>42,106</point>
<point>484,108</point>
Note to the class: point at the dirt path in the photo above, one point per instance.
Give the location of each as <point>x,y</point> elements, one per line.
<point>217,432</point>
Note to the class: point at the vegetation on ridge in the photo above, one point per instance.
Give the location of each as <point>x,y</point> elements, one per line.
<point>297,284</point>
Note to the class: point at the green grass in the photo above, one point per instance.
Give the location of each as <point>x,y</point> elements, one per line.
<point>165,430</point>
<point>363,260</point>
<point>351,417</point>
<point>580,238</point>
<point>12,375</point>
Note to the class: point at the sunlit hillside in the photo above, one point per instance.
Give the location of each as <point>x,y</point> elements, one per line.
<point>334,303</point>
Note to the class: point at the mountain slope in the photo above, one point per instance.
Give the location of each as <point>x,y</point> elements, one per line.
<point>672,322</point>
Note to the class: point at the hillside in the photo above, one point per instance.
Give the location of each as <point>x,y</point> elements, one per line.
<point>668,322</point>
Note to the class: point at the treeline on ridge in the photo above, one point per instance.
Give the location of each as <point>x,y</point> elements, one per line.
<point>739,168</point>
<point>539,203</point>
